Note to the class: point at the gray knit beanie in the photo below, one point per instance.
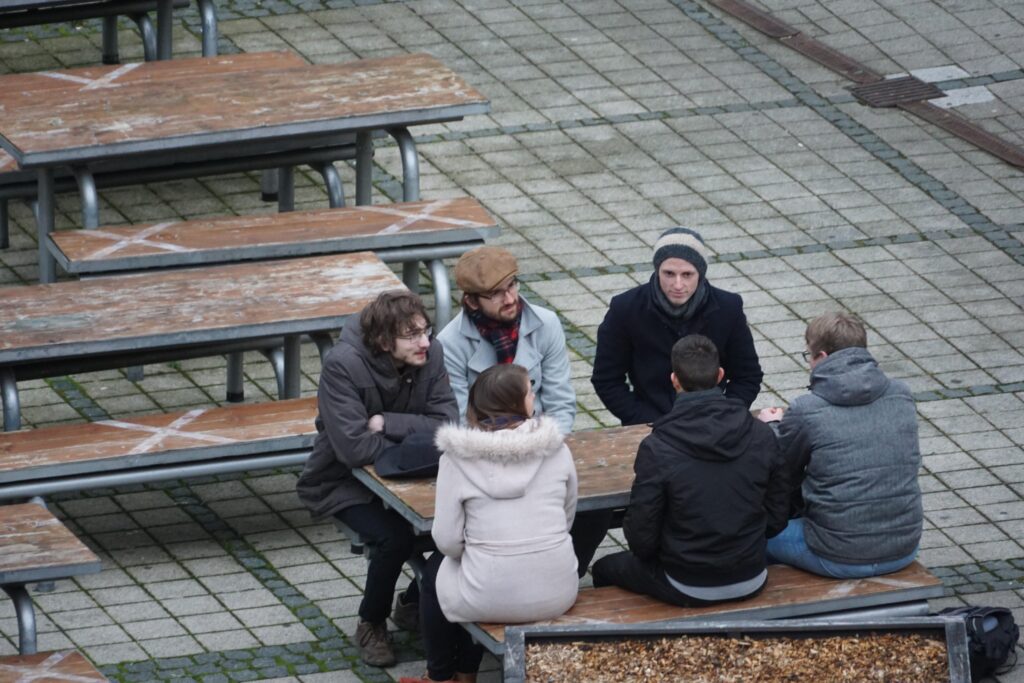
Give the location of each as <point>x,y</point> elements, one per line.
<point>682,243</point>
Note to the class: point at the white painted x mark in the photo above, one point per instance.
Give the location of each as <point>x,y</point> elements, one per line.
<point>173,429</point>
<point>408,218</point>
<point>43,671</point>
<point>140,237</point>
<point>104,81</point>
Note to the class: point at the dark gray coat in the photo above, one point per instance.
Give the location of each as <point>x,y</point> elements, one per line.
<point>356,384</point>
<point>854,440</point>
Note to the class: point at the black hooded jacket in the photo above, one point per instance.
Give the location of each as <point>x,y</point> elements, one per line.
<point>710,489</point>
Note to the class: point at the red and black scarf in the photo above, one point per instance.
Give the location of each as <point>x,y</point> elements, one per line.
<point>503,336</point>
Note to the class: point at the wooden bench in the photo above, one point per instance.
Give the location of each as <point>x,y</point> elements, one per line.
<point>35,546</point>
<point>788,593</point>
<point>408,232</point>
<point>198,442</point>
<point>52,667</point>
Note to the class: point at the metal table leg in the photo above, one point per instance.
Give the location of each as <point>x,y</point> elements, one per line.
<point>332,181</point>
<point>364,168</point>
<point>324,343</point>
<point>147,34</point>
<point>285,189</point>
<point>110,51</point>
<point>44,224</point>
<point>235,380</point>
<point>411,275</point>
<point>442,293</point>
<point>90,197</point>
<point>410,164</point>
<point>208,14</point>
<point>26,618</point>
<point>164,28</point>
<point>292,366</point>
<point>5,239</point>
<point>268,185</point>
<point>12,404</point>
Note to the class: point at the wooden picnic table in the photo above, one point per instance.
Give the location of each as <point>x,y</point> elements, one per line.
<point>604,467</point>
<point>52,667</point>
<point>48,330</point>
<point>35,546</point>
<point>155,110</point>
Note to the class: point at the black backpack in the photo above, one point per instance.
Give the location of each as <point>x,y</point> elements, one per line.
<point>991,637</point>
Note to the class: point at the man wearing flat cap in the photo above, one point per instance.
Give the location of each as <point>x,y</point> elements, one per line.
<point>497,325</point>
<point>632,364</point>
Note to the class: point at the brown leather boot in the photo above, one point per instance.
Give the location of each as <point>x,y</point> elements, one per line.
<point>465,678</point>
<point>374,643</point>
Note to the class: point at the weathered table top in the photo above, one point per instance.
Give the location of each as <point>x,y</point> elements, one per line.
<point>190,103</point>
<point>153,440</point>
<point>604,467</point>
<point>51,667</point>
<point>27,85</point>
<point>187,307</point>
<point>234,238</point>
<point>35,546</point>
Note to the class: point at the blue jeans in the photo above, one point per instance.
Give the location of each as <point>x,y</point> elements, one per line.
<point>790,547</point>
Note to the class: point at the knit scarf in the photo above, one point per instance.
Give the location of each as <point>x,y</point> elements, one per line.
<point>684,311</point>
<point>503,336</point>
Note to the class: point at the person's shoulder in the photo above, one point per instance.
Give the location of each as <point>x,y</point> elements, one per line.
<point>725,298</point>
<point>629,301</point>
<point>450,332</point>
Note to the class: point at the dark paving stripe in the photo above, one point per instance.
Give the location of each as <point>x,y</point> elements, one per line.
<point>982,577</point>
<point>75,396</point>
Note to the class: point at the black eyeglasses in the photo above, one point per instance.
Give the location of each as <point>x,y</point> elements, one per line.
<point>807,356</point>
<point>501,293</point>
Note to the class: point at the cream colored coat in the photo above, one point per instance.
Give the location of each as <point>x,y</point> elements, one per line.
<point>505,503</point>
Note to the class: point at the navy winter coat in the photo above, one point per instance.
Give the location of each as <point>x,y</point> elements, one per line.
<point>635,342</point>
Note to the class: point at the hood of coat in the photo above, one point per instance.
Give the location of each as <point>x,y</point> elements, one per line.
<point>849,377</point>
<point>502,464</point>
<point>706,425</point>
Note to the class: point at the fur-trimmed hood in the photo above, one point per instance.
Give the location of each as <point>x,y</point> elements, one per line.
<point>503,463</point>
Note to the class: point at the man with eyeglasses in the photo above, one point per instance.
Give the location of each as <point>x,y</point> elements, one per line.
<point>382,387</point>
<point>497,325</point>
<point>634,342</point>
<point>852,447</point>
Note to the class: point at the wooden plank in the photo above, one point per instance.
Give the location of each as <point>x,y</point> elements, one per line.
<point>84,122</point>
<point>604,468</point>
<point>789,591</point>
<point>188,306</point>
<point>237,238</point>
<point>49,667</point>
<point>35,546</point>
<point>150,440</point>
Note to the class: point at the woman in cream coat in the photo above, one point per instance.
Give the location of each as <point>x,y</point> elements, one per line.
<point>506,497</point>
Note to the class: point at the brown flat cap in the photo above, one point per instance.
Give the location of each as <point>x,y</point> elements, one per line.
<point>481,270</point>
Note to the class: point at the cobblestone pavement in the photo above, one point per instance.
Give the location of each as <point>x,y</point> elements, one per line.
<point>611,121</point>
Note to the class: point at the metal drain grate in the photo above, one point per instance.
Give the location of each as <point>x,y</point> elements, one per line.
<point>895,91</point>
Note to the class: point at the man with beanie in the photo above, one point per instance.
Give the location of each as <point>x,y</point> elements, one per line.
<point>497,325</point>
<point>634,342</point>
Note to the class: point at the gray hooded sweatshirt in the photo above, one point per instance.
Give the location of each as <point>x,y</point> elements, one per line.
<point>854,441</point>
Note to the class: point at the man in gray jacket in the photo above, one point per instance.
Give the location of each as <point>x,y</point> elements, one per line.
<point>382,383</point>
<point>853,442</point>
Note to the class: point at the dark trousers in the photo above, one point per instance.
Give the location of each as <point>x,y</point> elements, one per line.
<point>450,649</point>
<point>588,530</point>
<point>626,570</point>
<point>392,540</point>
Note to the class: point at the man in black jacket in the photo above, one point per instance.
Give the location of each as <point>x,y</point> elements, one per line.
<point>635,339</point>
<point>383,381</point>
<point>710,488</point>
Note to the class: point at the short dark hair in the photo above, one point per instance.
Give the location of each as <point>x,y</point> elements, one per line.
<point>695,362</point>
<point>388,316</point>
<point>499,392</point>
<point>831,332</point>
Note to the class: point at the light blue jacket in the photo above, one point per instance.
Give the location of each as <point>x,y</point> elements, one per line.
<point>541,350</point>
